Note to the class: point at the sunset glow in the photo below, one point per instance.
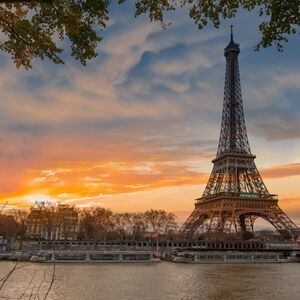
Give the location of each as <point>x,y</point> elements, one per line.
<point>139,126</point>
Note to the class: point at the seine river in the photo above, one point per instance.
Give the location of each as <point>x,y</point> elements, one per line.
<point>152,281</point>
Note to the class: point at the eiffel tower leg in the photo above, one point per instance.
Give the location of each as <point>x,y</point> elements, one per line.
<point>281,222</point>
<point>249,222</point>
<point>221,223</point>
<point>252,221</point>
<point>194,221</point>
<point>224,222</point>
<point>228,223</point>
<point>210,226</point>
<point>242,223</point>
<point>274,216</point>
<point>201,228</point>
<point>236,226</point>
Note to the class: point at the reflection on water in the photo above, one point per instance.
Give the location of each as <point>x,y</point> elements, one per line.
<point>153,281</point>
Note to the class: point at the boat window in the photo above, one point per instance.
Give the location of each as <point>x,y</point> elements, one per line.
<point>70,256</point>
<point>218,257</point>
<point>44,254</point>
<point>201,256</point>
<point>104,256</point>
<point>136,256</point>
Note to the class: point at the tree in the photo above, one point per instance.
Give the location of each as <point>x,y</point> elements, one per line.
<point>34,27</point>
<point>102,222</point>
<point>37,28</point>
<point>8,226</point>
<point>120,224</point>
<point>67,219</point>
<point>129,223</point>
<point>86,224</point>
<point>280,17</point>
<point>139,225</point>
<point>160,221</point>
<point>169,224</point>
<point>21,216</point>
<point>48,222</point>
<point>155,219</point>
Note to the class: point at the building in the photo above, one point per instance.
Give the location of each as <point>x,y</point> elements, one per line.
<point>8,226</point>
<point>53,223</point>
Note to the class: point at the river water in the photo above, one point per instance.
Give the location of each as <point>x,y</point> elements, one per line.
<point>164,281</point>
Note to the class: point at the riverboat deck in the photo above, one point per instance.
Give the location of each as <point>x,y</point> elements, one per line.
<point>112,257</point>
<point>228,257</point>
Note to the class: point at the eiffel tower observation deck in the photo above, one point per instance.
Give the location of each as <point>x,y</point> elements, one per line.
<point>235,195</point>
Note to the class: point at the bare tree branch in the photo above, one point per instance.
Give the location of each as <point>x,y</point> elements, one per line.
<point>28,285</point>
<point>42,281</point>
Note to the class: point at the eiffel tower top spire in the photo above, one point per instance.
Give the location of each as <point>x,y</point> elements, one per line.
<point>233,137</point>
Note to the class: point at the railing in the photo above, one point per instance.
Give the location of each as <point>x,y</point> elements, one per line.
<point>237,196</point>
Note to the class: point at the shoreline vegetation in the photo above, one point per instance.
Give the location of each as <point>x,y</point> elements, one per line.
<point>64,222</point>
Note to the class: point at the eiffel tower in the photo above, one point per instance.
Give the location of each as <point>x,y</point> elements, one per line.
<point>235,195</point>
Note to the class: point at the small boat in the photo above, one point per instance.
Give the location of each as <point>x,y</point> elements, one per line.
<point>214,257</point>
<point>94,257</point>
<point>294,256</point>
<point>4,256</point>
<point>3,244</point>
<point>19,256</point>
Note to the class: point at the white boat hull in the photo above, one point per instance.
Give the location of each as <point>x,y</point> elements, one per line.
<point>94,257</point>
<point>228,258</point>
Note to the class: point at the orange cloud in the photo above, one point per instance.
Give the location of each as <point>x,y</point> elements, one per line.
<point>72,180</point>
<point>281,171</point>
<point>113,177</point>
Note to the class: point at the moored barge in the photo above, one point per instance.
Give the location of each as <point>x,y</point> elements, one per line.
<point>294,256</point>
<point>94,257</point>
<point>219,257</point>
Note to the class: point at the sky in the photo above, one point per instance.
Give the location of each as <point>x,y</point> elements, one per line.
<point>137,127</point>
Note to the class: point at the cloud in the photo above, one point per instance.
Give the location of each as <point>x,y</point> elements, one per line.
<point>120,177</point>
<point>274,106</point>
<point>143,115</point>
<point>281,171</point>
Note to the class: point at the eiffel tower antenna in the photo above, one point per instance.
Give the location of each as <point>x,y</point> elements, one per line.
<point>231,31</point>
<point>235,195</point>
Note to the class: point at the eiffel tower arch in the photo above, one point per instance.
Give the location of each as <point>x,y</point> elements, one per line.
<point>235,195</point>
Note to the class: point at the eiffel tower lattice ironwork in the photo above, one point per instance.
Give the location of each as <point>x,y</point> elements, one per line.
<point>235,195</point>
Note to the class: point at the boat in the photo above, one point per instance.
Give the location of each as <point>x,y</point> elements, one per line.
<point>215,257</point>
<point>3,244</point>
<point>294,256</point>
<point>19,256</point>
<point>94,257</point>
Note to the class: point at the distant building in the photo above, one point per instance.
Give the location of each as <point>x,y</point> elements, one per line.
<point>8,226</point>
<point>53,223</point>
<point>268,235</point>
<point>68,224</point>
